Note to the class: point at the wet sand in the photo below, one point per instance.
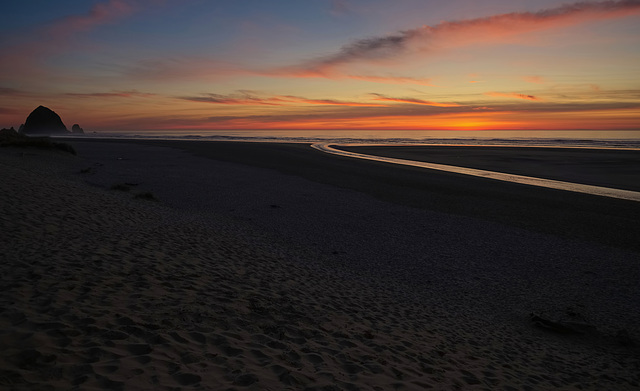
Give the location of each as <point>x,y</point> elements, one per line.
<point>572,215</point>
<point>268,266</point>
<point>615,168</point>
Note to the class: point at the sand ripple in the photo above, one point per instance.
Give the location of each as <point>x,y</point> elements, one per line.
<point>103,291</point>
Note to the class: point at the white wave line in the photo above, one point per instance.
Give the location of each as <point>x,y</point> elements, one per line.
<point>500,176</point>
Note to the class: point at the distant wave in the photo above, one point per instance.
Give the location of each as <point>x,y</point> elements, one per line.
<point>626,143</point>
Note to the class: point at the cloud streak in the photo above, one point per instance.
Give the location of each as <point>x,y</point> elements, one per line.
<point>413,101</point>
<point>237,99</point>
<point>512,95</point>
<point>401,111</point>
<point>58,35</point>
<point>6,91</point>
<point>390,49</point>
<point>314,72</point>
<point>330,102</point>
<point>114,94</point>
<point>496,28</point>
<point>99,14</point>
<point>245,98</point>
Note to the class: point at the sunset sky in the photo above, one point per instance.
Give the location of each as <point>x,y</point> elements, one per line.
<point>321,64</point>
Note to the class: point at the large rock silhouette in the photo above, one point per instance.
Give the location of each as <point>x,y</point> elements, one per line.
<point>43,120</point>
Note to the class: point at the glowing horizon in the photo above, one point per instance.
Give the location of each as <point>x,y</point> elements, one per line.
<point>122,65</point>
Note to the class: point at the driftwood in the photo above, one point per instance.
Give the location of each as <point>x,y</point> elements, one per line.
<point>560,326</point>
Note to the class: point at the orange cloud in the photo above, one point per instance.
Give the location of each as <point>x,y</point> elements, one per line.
<point>518,114</point>
<point>512,95</point>
<point>414,101</point>
<point>486,30</point>
<point>245,98</point>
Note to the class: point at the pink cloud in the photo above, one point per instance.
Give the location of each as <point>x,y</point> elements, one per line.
<point>512,95</point>
<point>486,30</point>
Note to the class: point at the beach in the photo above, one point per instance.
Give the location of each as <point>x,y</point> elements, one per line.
<point>266,266</point>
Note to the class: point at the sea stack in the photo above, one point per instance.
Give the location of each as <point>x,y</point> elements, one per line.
<point>43,120</point>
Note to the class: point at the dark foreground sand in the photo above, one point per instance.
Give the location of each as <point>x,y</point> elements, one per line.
<point>278,267</point>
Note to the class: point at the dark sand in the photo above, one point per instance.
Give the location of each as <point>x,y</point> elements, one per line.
<point>567,214</point>
<point>271,266</point>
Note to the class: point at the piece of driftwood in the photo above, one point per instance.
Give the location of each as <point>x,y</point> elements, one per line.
<point>560,326</point>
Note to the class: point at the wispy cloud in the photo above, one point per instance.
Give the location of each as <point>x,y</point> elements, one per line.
<point>496,28</point>
<point>302,72</point>
<point>54,36</point>
<point>236,99</point>
<point>113,94</point>
<point>247,98</point>
<point>512,95</point>
<point>99,14</point>
<point>392,79</point>
<point>184,68</point>
<point>6,111</point>
<point>394,114</point>
<point>330,102</point>
<point>388,116</point>
<point>58,35</point>
<point>6,91</point>
<point>413,101</point>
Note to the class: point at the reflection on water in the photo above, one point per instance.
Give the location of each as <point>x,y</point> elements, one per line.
<point>526,180</point>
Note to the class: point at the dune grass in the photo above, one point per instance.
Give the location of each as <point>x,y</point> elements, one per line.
<point>11,138</point>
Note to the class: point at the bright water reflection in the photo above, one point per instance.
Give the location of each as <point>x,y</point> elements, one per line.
<point>526,180</point>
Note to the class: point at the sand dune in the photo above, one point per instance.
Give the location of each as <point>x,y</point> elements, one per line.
<point>101,290</point>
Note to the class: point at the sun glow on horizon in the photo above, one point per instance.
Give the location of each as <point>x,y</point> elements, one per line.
<point>549,66</point>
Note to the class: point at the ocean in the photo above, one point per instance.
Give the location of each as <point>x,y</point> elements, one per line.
<point>627,139</point>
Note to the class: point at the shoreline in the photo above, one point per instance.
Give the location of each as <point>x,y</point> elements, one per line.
<point>614,168</point>
<point>493,175</point>
<point>273,266</point>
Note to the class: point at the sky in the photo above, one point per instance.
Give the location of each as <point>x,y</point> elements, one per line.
<point>178,65</point>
